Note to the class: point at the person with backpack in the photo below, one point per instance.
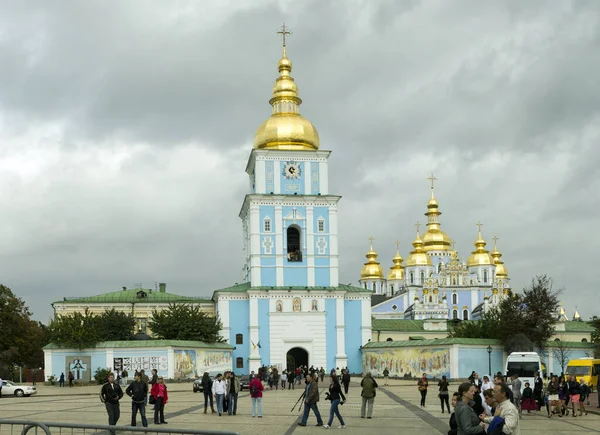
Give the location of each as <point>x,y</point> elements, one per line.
<point>256,392</point>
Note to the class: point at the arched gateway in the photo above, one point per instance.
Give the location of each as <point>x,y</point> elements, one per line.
<point>296,357</point>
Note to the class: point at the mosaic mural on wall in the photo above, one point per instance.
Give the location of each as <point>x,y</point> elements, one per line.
<point>408,362</point>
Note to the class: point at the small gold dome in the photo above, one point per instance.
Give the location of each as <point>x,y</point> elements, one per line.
<point>397,270</point>
<point>286,129</point>
<point>434,238</point>
<point>480,256</point>
<point>501,271</point>
<point>372,269</point>
<point>418,257</point>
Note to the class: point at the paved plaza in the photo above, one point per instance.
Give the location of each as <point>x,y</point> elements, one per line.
<point>396,411</point>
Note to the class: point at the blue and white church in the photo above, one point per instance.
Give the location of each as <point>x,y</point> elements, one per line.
<point>291,308</point>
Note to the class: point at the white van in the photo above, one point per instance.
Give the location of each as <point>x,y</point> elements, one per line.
<point>524,364</point>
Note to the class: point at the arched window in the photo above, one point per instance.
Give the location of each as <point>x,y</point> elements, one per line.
<point>412,278</point>
<point>465,314</point>
<point>455,314</point>
<point>557,339</point>
<point>485,276</point>
<point>374,286</point>
<point>365,285</point>
<point>239,363</point>
<point>392,289</point>
<point>239,338</point>
<point>430,298</point>
<point>454,298</point>
<point>389,339</point>
<point>422,277</point>
<point>293,243</point>
<point>584,340</point>
<point>439,267</point>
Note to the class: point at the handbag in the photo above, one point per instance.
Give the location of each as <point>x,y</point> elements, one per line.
<point>151,400</point>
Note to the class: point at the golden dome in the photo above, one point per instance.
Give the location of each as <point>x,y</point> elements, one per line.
<point>434,238</point>
<point>480,256</point>
<point>286,129</point>
<point>501,271</point>
<point>372,269</point>
<point>418,257</point>
<point>397,270</point>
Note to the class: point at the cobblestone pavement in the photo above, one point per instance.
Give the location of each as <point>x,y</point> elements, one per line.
<point>396,410</point>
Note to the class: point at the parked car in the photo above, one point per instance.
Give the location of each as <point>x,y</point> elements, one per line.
<point>198,384</point>
<point>244,382</point>
<point>9,387</point>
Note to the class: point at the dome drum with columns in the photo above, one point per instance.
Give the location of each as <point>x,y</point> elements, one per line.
<point>433,282</point>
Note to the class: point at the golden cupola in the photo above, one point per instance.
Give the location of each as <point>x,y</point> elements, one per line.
<point>372,269</point>
<point>397,270</point>
<point>418,257</point>
<point>480,256</point>
<point>434,238</point>
<point>286,129</point>
<point>496,255</point>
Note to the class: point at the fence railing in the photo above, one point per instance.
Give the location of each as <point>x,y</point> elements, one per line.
<point>29,427</point>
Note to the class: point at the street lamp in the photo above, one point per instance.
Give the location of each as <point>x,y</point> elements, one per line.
<point>489,351</point>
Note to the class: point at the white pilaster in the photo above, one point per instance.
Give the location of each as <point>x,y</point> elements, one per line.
<point>279,246</point>
<point>110,359</point>
<point>48,369</point>
<point>341,359</point>
<point>310,242</point>
<point>323,179</point>
<point>474,301</point>
<point>254,229</point>
<point>277,177</point>
<point>306,176</point>
<point>454,361</point>
<point>260,182</point>
<point>223,312</point>
<point>334,277</point>
<point>171,362</point>
<point>366,320</point>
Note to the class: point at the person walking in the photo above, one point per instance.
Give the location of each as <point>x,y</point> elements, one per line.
<point>153,379</point>
<point>125,377</point>
<point>515,386</point>
<point>337,398</point>
<point>291,379</point>
<point>110,394</point>
<point>538,386</point>
<point>233,389</point>
<point>138,391</point>
<point>574,393</point>
<point>346,380</point>
<point>505,409</point>
<point>368,394</point>
<point>422,386</point>
<point>70,377</point>
<point>207,391</point>
<point>386,373</point>
<point>443,393</point>
<point>311,398</point>
<point>219,389</point>
<point>256,389</point>
<point>584,395</point>
<point>161,397</point>
<point>467,421</point>
<point>61,380</point>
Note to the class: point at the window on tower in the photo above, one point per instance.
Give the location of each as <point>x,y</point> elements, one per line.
<point>374,286</point>
<point>239,363</point>
<point>239,338</point>
<point>455,298</point>
<point>455,314</point>
<point>465,314</point>
<point>267,225</point>
<point>422,277</point>
<point>412,278</point>
<point>321,225</point>
<point>485,276</point>
<point>294,252</point>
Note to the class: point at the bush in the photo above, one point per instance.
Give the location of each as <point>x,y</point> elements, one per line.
<point>101,375</point>
<point>52,379</point>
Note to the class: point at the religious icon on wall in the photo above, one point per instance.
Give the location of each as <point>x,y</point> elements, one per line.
<point>297,304</point>
<point>315,305</point>
<point>279,307</point>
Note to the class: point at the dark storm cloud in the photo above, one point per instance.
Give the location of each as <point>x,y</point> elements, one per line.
<point>125,128</point>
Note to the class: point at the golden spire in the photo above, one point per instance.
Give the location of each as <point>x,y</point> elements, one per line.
<point>286,129</point>
<point>372,269</point>
<point>480,256</point>
<point>501,271</point>
<point>418,257</point>
<point>397,270</point>
<point>434,238</point>
<point>576,316</point>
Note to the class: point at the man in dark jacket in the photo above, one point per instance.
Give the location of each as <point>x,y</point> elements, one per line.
<point>368,385</point>
<point>346,380</point>
<point>138,391</point>
<point>110,394</point>
<point>311,398</point>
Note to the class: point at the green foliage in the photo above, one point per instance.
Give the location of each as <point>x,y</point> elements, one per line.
<point>521,321</point>
<point>22,339</point>
<point>595,321</point>
<point>115,325</point>
<point>185,322</point>
<point>52,380</point>
<point>101,375</point>
<point>76,330</point>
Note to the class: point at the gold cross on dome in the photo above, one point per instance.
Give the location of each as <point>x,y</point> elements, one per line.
<point>495,240</point>
<point>479,224</point>
<point>453,242</point>
<point>418,225</point>
<point>283,32</point>
<point>397,245</point>
<point>431,179</point>
<point>371,240</point>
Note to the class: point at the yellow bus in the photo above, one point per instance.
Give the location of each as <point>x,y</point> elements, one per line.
<point>587,369</point>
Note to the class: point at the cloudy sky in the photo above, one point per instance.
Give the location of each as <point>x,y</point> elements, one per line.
<point>125,128</point>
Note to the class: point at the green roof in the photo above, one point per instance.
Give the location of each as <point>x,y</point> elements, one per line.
<point>398,325</point>
<point>244,287</point>
<point>466,342</point>
<point>137,295</point>
<point>150,343</point>
<point>572,326</point>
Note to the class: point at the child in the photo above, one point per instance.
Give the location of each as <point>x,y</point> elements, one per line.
<point>528,401</point>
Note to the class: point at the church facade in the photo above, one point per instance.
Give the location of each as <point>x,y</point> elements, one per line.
<point>291,308</point>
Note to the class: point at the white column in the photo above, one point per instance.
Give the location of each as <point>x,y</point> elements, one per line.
<point>323,179</point>
<point>254,229</point>
<point>277,177</point>
<point>341,359</point>
<point>474,303</point>
<point>310,244</point>
<point>454,361</point>
<point>254,359</point>
<point>48,369</point>
<point>279,259</point>
<point>110,355</point>
<point>334,277</point>
<point>366,320</point>
<point>260,182</point>
<point>171,363</point>
<point>223,313</point>
<point>306,176</point>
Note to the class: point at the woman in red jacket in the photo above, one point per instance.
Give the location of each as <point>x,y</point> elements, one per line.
<point>256,389</point>
<point>159,391</point>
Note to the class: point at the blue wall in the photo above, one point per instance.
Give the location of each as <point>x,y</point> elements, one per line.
<point>296,276</point>
<point>270,167</point>
<point>330,333</point>
<point>322,277</point>
<point>239,319</point>
<point>314,178</point>
<point>264,331</point>
<point>59,362</point>
<point>470,359</point>
<point>353,335</point>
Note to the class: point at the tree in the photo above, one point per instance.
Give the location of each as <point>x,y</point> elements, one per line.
<point>595,321</point>
<point>75,330</point>
<point>21,339</point>
<point>541,302</point>
<point>115,325</point>
<point>185,322</point>
<point>561,353</point>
